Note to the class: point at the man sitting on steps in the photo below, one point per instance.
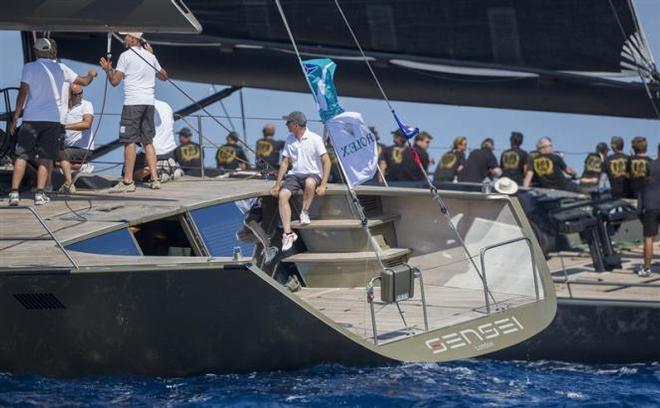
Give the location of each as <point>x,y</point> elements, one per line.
<point>310,168</point>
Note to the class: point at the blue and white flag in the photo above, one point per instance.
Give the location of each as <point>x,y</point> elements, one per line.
<point>320,74</point>
<point>408,131</point>
<point>355,147</point>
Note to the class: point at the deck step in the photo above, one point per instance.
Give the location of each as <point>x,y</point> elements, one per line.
<point>339,224</point>
<point>344,269</point>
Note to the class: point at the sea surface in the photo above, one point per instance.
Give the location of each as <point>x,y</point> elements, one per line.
<point>457,384</point>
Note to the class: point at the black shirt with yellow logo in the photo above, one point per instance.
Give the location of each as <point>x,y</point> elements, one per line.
<point>411,170</point>
<point>189,156</point>
<point>448,166</point>
<point>394,159</point>
<point>638,171</point>
<point>616,168</point>
<point>269,151</point>
<point>513,162</point>
<point>230,157</point>
<point>593,165</point>
<point>549,169</point>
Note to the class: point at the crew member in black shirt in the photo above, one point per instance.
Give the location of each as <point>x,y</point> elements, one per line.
<point>411,170</point>
<point>268,150</point>
<point>452,162</point>
<point>230,156</point>
<point>188,154</point>
<point>394,157</point>
<point>615,168</point>
<point>513,161</point>
<point>650,206</point>
<point>593,166</point>
<point>480,164</point>
<point>549,168</point>
<point>637,166</point>
<point>382,155</point>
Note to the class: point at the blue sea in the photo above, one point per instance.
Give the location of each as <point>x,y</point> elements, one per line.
<point>457,384</point>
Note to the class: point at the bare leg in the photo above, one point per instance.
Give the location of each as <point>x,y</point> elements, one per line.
<point>285,210</point>
<point>648,251</point>
<point>151,160</point>
<point>17,175</point>
<point>42,173</point>
<point>129,162</point>
<point>308,195</point>
<point>65,165</point>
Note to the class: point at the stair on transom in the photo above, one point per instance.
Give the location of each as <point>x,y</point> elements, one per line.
<point>339,253</point>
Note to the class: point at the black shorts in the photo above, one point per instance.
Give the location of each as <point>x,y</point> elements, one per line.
<point>137,124</point>
<point>650,220</point>
<point>39,138</point>
<point>73,154</point>
<point>295,183</point>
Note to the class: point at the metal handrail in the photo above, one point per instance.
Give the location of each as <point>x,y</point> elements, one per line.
<point>43,224</point>
<point>482,254</point>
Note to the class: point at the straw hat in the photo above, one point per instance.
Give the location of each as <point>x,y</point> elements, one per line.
<point>505,185</point>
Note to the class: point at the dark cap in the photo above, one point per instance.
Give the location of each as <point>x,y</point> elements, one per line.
<point>185,132</point>
<point>398,133</point>
<point>602,147</point>
<point>296,117</point>
<point>233,136</point>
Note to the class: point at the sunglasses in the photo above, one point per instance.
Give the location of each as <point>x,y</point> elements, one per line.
<point>77,94</point>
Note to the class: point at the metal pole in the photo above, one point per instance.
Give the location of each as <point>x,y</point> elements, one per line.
<point>240,95</point>
<point>201,143</point>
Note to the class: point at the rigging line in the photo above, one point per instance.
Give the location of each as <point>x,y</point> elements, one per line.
<point>354,198</point>
<point>639,72</point>
<point>434,191</point>
<point>224,109</point>
<point>196,103</point>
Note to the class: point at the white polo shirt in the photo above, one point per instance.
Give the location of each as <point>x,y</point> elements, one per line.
<point>139,77</point>
<point>164,121</point>
<point>49,90</point>
<point>81,139</point>
<point>305,154</point>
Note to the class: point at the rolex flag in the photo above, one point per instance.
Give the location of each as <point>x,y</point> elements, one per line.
<point>355,147</point>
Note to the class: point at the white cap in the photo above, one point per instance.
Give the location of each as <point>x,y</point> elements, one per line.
<point>505,185</point>
<point>137,35</point>
<point>43,44</point>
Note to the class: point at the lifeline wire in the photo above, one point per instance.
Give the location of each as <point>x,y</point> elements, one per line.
<point>434,191</point>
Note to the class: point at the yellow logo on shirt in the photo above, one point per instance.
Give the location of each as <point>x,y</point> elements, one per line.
<point>226,155</point>
<point>543,166</point>
<point>593,163</point>
<point>397,154</point>
<point>190,152</point>
<point>618,168</point>
<point>638,168</point>
<point>510,160</point>
<point>264,149</point>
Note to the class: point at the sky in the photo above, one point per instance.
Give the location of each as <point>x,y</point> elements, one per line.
<point>573,134</point>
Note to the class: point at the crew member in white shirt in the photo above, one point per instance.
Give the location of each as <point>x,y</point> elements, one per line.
<point>164,145</point>
<point>310,168</point>
<point>42,100</point>
<point>78,141</point>
<point>138,67</point>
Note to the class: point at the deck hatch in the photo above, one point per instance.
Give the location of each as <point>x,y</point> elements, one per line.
<point>38,301</point>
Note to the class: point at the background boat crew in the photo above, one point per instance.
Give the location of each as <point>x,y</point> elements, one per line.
<point>394,157</point>
<point>615,167</point>
<point>78,141</point>
<point>513,161</point>
<point>164,145</point>
<point>480,164</point>
<point>268,149</point>
<point>637,166</point>
<point>230,156</point>
<point>411,170</point>
<point>335,172</point>
<point>42,101</point>
<point>136,68</point>
<point>305,152</point>
<point>382,155</point>
<point>549,168</point>
<point>452,162</point>
<point>593,166</point>
<point>650,211</point>
<point>188,154</point>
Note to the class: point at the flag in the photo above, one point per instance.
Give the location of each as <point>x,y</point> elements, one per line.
<point>408,131</point>
<point>355,147</point>
<point>320,73</point>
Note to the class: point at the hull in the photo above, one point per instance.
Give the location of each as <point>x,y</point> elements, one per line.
<point>161,322</point>
<point>592,331</point>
